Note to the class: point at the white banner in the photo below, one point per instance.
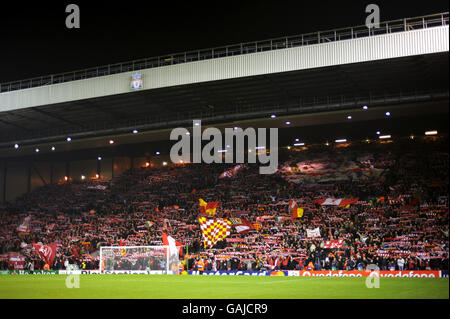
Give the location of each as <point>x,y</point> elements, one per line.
<point>313,233</point>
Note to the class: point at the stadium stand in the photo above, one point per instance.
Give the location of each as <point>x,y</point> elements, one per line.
<point>395,216</point>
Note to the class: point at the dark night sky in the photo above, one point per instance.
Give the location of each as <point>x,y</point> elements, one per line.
<point>34,40</point>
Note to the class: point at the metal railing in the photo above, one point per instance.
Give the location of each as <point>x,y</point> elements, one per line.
<point>163,121</point>
<point>400,25</point>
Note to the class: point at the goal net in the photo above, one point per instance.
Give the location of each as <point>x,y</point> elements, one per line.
<point>139,259</point>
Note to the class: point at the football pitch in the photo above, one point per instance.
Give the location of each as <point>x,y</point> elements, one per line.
<point>218,287</point>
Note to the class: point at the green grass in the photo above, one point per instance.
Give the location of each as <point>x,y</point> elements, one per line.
<point>218,287</point>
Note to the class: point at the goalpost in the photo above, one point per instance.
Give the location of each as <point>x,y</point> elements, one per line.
<point>139,259</point>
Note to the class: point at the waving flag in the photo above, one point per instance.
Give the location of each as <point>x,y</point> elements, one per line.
<point>46,252</point>
<point>241,225</point>
<point>214,230</point>
<point>173,244</point>
<point>149,224</point>
<point>297,212</point>
<point>341,202</point>
<point>208,208</point>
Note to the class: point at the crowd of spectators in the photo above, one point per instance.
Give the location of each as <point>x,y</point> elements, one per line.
<point>400,220</point>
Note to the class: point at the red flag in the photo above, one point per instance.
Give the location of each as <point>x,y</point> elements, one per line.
<point>172,243</point>
<point>46,252</point>
<point>241,225</point>
<point>208,208</point>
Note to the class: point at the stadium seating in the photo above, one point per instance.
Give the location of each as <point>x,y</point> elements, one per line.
<point>399,214</point>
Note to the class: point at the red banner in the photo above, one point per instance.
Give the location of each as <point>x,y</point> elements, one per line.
<point>46,252</point>
<point>333,243</point>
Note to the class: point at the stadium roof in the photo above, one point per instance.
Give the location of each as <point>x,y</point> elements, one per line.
<point>312,128</point>
<point>355,32</point>
<point>413,81</point>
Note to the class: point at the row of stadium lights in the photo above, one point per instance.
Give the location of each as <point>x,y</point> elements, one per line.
<point>381,137</point>
<point>349,117</point>
<point>99,158</point>
<point>69,139</point>
<point>147,164</point>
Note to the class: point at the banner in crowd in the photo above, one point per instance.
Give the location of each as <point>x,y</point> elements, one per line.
<point>337,243</point>
<point>46,252</point>
<point>313,232</point>
<point>18,262</point>
<point>214,230</point>
<point>241,225</point>
<point>341,202</point>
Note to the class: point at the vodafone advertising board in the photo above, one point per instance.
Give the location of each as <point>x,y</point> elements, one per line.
<point>356,273</point>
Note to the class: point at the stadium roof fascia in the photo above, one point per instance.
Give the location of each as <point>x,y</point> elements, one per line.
<point>305,106</point>
<point>392,26</point>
